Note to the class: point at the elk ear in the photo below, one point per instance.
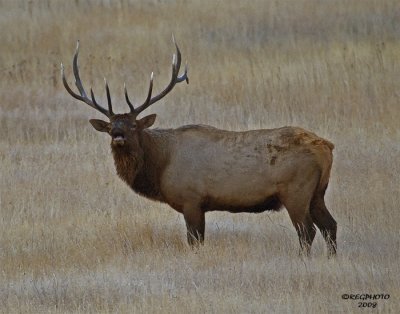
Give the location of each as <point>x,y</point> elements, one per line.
<point>147,121</point>
<point>100,125</point>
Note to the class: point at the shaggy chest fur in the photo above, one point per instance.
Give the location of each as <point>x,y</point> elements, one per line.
<point>127,165</point>
<point>138,173</point>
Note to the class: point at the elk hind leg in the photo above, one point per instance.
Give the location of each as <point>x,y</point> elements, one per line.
<point>299,214</point>
<point>324,221</point>
<point>297,203</point>
<point>304,227</point>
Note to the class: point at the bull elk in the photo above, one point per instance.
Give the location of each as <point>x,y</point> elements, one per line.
<point>199,168</point>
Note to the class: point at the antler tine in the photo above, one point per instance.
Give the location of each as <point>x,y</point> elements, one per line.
<point>108,98</point>
<point>147,102</point>
<point>69,90</point>
<point>178,55</point>
<point>75,68</point>
<point>82,97</point>
<point>93,98</point>
<point>176,64</point>
<point>184,76</point>
<point>128,101</point>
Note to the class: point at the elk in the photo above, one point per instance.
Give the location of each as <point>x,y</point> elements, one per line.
<point>198,168</point>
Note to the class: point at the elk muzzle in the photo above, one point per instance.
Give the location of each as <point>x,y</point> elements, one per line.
<point>118,137</point>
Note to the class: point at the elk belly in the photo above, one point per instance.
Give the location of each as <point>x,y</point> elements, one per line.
<point>269,203</point>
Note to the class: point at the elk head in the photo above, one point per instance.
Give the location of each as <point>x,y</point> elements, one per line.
<point>124,129</point>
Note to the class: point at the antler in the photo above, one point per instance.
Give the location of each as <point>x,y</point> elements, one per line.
<point>175,78</point>
<point>83,96</point>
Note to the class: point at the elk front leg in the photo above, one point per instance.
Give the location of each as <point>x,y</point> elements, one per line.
<point>195,224</point>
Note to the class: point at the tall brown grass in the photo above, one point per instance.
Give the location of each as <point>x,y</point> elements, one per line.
<point>74,238</point>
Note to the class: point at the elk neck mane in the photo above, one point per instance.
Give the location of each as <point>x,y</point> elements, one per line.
<point>143,171</point>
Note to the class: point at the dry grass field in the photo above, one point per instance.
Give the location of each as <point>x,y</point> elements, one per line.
<point>74,238</point>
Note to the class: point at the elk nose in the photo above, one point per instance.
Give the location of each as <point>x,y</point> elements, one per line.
<point>117,132</point>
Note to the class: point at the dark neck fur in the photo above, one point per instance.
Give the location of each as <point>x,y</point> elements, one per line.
<point>142,171</point>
